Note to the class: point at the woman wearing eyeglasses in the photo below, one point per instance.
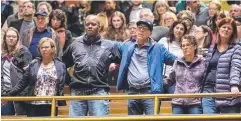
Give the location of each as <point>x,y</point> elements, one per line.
<point>14,60</point>
<point>45,77</point>
<point>187,74</point>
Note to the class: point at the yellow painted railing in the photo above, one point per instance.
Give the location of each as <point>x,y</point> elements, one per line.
<point>156,98</point>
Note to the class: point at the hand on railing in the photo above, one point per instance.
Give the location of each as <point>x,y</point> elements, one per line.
<point>4,103</point>
<point>235,91</point>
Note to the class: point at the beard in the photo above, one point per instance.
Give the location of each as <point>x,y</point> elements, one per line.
<point>27,14</point>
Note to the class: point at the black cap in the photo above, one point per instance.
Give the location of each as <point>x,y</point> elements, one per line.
<point>146,22</point>
<point>42,13</point>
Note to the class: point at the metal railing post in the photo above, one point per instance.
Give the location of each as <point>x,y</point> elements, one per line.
<point>156,102</point>
<point>53,107</point>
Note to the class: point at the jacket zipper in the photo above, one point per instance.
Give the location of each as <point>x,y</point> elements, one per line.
<point>88,81</point>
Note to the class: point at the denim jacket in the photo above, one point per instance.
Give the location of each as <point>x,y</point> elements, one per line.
<point>157,55</point>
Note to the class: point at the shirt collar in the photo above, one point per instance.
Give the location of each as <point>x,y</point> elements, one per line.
<point>48,29</point>
<point>147,44</point>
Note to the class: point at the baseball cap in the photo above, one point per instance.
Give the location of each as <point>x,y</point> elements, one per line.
<point>40,12</point>
<point>146,22</point>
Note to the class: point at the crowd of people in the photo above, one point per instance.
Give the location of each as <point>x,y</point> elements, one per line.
<point>175,48</point>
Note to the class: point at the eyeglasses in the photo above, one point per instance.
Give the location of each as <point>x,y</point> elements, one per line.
<point>45,47</point>
<point>11,36</point>
<point>186,45</point>
<point>142,28</point>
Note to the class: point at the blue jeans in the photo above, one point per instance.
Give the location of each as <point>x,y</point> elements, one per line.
<point>140,106</point>
<point>186,109</point>
<point>94,107</point>
<point>7,109</point>
<point>208,103</point>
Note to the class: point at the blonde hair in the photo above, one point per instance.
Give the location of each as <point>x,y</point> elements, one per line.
<point>217,4</point>
<point>103,21</point>
<point>46,39</point>
<point>157,5</point>
<point>163,21</point>
<point>17,47</point>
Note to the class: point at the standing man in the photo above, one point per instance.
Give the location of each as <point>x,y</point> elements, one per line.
<point>141,68</point>
<point>91,56</point>
<point>201,14</point>
<point>27,22</point>
<point>32,36</point>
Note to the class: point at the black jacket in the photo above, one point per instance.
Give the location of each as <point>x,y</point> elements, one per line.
<point>16,24</point>
<point>8,10</point>
<point>21,60</point>
<point>91,60</point>
<point>30,79</point>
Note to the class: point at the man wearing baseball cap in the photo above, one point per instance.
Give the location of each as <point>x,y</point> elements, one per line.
<point>141,67</point>
<point>33,35</point>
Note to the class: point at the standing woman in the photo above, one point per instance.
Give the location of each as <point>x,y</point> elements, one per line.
<point>45,77</point>
<point>173,44</point>
<point>187,74</point>
<point>57,20</point>
<point>203,36</point>
<point>228,67</point>
<point>214,8</point>
<point>217,69</point>
<point>15,58</point>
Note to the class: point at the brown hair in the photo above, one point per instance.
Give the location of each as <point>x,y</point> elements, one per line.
<point>208,38</point>
<point>60,15</point>
<point>191,39</point>
<point>157,5</point>
<point>17,47</point>
<point>234,35</point>
<point>111,33</point>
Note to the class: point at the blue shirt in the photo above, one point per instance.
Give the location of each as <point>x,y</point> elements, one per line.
<point>35,40</point>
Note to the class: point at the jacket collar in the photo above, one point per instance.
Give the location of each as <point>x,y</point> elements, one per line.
<point>182,60</point>
<point>96,40</point>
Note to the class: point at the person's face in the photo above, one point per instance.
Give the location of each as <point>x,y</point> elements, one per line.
<point>199,34</point>
<point>42,21</point>
<point>55,23</point>
<point>109,5</point>
<point>225,31</point>
<point>136,2</point>
<point>218,19</point>
<point>11,38</point>
<point>212,10</point>
<point>234,12</point>
<point>92,26</point>
<point>132,29</point>
<point>43,8</point>
<point>144,15</point>
<point>28,9</point>
<point>46,50</point>
<point>187,48</point>
<point>188,24</point>
<point>161,9</point>
<point>195,4</point>
<point>143,33</point>
<point>20,7</point>
<point>117,22</point>
<point>178,31</point>
<point>169,20</point>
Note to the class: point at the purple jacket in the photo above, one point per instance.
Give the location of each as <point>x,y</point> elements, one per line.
<point>188,80</point>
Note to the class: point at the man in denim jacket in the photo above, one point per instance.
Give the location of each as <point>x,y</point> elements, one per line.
<point>141,67</point>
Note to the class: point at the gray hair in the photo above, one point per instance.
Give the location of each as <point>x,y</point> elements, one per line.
<point>149,12</point>
<point>49,7</point>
